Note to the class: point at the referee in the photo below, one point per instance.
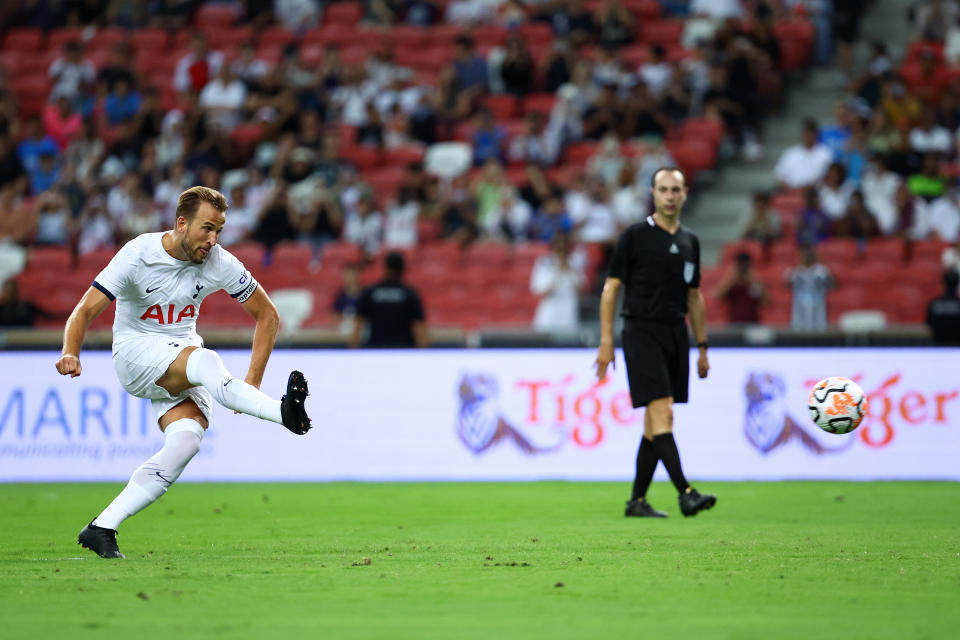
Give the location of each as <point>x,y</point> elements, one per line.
<point>659,262</point>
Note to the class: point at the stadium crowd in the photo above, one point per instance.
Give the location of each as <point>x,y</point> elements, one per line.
<point>319,122</point>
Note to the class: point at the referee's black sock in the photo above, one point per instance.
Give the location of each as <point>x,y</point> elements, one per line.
<point>666,448</point>
<point>646,464</point>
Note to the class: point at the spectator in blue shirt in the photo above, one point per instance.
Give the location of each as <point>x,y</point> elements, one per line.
<point>550,220</point>
<point>45,174</point>
<point>34,145</point>
<point>121,104</point>
<point>489,139</point>
<point>470,69</point>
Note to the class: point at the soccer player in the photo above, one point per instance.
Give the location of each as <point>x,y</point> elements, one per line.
<point>658,263</point>
<point>159,281</point>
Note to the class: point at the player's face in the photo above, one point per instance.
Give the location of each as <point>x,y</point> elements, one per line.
<point>669,193</point>
<point>202,232</point>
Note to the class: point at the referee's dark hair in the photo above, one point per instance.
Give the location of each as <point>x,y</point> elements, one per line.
<point>394,263</point>
<point>653,178</point>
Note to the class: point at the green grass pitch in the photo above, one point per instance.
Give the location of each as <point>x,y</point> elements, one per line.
<point>490,561</point>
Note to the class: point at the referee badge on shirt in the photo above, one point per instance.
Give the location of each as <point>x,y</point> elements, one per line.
<point>688,270</point>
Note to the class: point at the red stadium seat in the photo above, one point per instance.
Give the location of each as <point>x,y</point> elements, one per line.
<point>579,152</point>
<point>337,255</point>
<point>328,36</point>
<point>53,260</point>
<point>251,254</point>
<point>534,33</point>
<point>31,94</point>
<point>693,155</point>
<point>703,129</point>
<point>538,103</point>
<point>224,39</point>
<point>23,39</point>
<point>503,107</point>
<point>403,156</point>
<point>362,158</point>
<point>385,182</point>
<point>150,39</point>
<point>277,37</point>
<point>489,35</point>
<point>215,15</point>
<point>95,260</point>
<point>644,9</point>
<point>291,255</point>
<point>663,32</point>
<point>491,256</point>
<point>57,38</point>
<point>634,56</point>
<point>343,13</point>
<point>407,36</point>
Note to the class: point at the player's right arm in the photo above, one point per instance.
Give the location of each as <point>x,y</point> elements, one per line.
<point>608,307</point>
<point>90,306</point>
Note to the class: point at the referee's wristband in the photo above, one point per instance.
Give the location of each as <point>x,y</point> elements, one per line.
<point>702,345</point>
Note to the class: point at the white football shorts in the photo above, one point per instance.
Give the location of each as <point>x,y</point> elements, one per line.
<point>141,361</point>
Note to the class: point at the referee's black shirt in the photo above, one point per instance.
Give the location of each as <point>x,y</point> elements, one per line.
<point>391,308</point>
<point>657,269</point>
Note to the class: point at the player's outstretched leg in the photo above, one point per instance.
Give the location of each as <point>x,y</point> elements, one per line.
<point>205,368</point>
<point>150,481</point>
<point>693,502</point>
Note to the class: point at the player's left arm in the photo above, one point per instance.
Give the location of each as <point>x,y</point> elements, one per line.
<point>698,315</point>
<point>261,308</point>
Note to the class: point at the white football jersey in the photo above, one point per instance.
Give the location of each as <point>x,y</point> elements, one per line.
<point>160,295</point>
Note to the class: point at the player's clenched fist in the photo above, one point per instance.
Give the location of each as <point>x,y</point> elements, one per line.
<point>69,364</point>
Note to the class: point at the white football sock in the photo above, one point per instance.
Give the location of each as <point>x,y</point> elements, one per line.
<point>205,368</point>
<point>152,478</point>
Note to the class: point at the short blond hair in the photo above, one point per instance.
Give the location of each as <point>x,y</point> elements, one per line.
<point>189,201</point>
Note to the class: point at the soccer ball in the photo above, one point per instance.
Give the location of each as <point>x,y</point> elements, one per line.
<point>837,405</point>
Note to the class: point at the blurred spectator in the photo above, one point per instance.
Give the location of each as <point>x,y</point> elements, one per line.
<point>96,231</point>
<point>642,116</point>
<point>347,299</point>
<point>942,219</point>
<point>609,69</point>
<point>813,224</point>
<point>656,72</point>
<point>516,68</point>
<point>118,67</point>
<point>488,189</point>
<point>901,108</point>
<point>61,122</point>
<point>469,12</point>
<point>607,162</point>
<point>469,69</point>
<point>222,98</point>
<point>550,220</point>
<point>15,312</point>
<point>16,220</point>
<point>742,291</point>
<point>71,74</point>
<point>614,23</point>
<point>929,182</point>
<point>604,115</point>
<point>834,193</point>
<point>630,201</point>
<point>559,65</point>
<point>509,219</point>
<point>297,15</point>
<point>951,48</point>
<point>400,225</point>
<point>249,69</point>
<point>857,221</point>
<point>803,164</point>
<point>557,279</point>
<point>46,172</point>
<point>197,67</point>
<point>592,216</point>
<point>489,139</point>
<point>371,132</point>
<point>122,103</point>
<point>943,313</point>
<point>171,145</point>
<point>275,224</point>
<point>538,144</point>
<point>393,311</point>
<point>810,281</point>
<point>423,13</point>
<point>242,218</point>
<point>933,18</point>
<point>571,19</point>
<point>55,224</point>
<point>764,224</point>
<point>85,154</point>
<point>846,26</point>
<point>836,134</point>
<point>11,169</point>
<point>538,188</point>
<point>950,258</point>
<point>35,144</point>
<point>364,226</point>
<point>928,136</point>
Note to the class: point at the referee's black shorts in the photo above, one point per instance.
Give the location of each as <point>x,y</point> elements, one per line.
<point>658,361</point>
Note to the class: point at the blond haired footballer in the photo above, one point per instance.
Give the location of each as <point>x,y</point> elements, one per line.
<point>159,281</point>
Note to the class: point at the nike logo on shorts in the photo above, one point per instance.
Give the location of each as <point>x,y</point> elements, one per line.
<point>154,289</point>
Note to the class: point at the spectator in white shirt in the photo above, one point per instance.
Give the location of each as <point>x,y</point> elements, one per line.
<point>930,137</point>
<point>400,227</point>
<point>510,218</point>
<point>631,201</point>
<point>835,192</point>
<point>557,279</point>
<point>595,222</point>
<point>657,72</point>
<point>71,74</point>
<point>802,165</point>
<point>469,12</point>
<point>538,144</point>
<point>248,68</point>
<point>297,15</point>
<point>607,161</point>
<point>942,218</point>
<point>223,97</point>
<point>880,194</point>
<point>243,218</point>
<point>716,9</point>
<point>195,69</point>
<point>364,225</point>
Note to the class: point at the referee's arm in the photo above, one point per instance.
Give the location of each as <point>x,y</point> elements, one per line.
<point>698,314</point>
<point>608,307</point>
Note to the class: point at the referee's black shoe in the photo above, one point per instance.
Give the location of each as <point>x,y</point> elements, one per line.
<point>692,502</point>
<point>642,509</point>
<point>100,540</point>
<point>292,411</point>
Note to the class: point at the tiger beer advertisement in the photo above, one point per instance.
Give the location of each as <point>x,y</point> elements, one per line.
<point>498,415</point>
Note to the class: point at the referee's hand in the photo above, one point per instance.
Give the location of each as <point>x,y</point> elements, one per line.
<point>604,358</point>
<point>703,365</point>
